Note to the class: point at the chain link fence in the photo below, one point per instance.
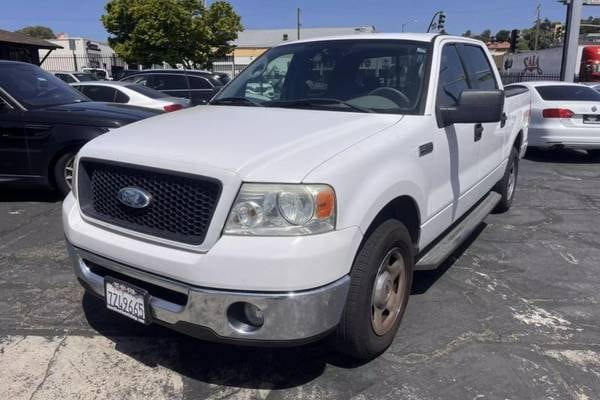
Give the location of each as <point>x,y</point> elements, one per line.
<point>116,68</point>
<point>516,77</point>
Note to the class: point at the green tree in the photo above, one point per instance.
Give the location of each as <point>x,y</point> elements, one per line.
<point>38,31</point>
<point>173,31</point>
<point>503,35</point>
<point>468,33</point>
<point>485,36</point>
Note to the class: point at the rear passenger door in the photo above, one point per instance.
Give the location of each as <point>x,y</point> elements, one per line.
<point>482,77</point>
<point>175,85</point>
<point>201,90</point>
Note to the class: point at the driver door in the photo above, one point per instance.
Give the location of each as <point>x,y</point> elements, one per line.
<point>456,146</point>
<point>14,157</point>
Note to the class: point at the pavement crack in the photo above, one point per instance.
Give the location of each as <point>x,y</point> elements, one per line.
<point>48,367</point>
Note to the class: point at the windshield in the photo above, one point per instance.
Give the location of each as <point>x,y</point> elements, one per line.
<point>384,76</point>
<point>35,88</point>
<point>84,77</point>
<point>146,91</point>
<point>568,92</point>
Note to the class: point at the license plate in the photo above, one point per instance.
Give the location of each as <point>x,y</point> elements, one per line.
<point>126,299</point>
<point>591,119</point>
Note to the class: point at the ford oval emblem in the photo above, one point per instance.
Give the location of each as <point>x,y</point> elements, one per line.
<point>134,197</point>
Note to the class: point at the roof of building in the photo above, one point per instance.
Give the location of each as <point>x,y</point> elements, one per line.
<point>265,38</point>
<point>19,38</point>
<point>498,45</point>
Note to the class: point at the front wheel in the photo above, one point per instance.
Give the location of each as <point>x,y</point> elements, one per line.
<point>381,281</point>
<point>63,173</point>
<point>507,185</point>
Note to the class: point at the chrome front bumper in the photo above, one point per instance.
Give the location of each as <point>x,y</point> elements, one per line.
<point>288,317</point>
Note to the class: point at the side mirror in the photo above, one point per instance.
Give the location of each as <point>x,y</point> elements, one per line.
<point>474,106</point>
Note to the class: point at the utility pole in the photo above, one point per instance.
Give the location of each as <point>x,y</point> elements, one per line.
<point>298,25</point>
<point>571,42</point>
<point>537,26</point>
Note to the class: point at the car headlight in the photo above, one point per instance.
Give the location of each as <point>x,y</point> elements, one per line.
<point>282,210</point>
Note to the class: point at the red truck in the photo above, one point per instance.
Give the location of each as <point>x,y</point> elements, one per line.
<point>590,64</point>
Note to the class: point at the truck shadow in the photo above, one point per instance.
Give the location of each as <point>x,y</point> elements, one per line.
<point>12,194</point>
<point>424,280</point>
<point>213,363</point>
<point>228,365</point>
<point>561,156</point>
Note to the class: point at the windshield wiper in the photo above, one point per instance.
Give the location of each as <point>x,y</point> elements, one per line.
<point>237,101</point>
<point>315,102</point>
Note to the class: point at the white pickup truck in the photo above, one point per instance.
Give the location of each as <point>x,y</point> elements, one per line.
<point>300,201</point>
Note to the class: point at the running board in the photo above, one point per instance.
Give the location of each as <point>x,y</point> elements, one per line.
<point>435,256</point>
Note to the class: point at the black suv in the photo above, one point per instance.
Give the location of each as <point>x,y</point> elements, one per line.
<point>197,86</point>
<point>44,122</point>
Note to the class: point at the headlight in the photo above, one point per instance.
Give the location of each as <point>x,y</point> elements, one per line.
<point>282,210</point>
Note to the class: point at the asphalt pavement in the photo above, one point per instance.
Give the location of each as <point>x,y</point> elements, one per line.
<point>513,314</point>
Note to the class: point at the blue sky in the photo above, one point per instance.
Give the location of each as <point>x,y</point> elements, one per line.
<point>81,17</point>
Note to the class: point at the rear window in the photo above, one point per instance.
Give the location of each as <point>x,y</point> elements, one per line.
<point>146,91</point>
<point>572,93</point>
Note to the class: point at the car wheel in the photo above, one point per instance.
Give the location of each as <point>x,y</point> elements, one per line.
<point>381,281</point>
<point>63,173</point>
<point>506,187</point>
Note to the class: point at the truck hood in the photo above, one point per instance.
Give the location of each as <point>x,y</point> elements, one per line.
<point>255,143</point>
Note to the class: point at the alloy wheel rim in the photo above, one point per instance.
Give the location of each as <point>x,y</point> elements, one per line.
<point>388,292</point>
<point>68,172</point>
<point>511,182</point>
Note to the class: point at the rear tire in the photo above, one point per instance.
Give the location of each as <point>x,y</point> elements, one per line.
<point>381,281</point>
<point>506,187</point>
<point>63,173</point>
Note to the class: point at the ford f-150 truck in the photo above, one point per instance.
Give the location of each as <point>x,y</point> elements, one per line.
<point>299,202</point>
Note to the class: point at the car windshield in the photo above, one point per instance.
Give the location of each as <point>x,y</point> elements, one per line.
<point>84,77</point>
<point>386,76</point>
<point>146,91</point>
<point>35,88</point>
<point>568,92</point>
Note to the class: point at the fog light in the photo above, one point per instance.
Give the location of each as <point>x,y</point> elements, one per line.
<point>245,317</point>
<point>254,315</point>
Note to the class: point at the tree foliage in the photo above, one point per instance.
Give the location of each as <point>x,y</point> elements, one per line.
<point>502,35</point>
<point>173,31</point>
<point>38,31</point>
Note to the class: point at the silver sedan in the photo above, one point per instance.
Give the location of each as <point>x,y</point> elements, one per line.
<point>563,115</point>
<point>130,93</point>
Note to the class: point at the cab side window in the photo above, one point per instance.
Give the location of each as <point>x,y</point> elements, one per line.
<point>480,71</point>
<point>453,79</point>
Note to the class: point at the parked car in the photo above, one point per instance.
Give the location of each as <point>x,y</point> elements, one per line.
<point>100,74</point>
<point>44,122</point>
<point>132,94</point>
<point>197,86</point>
<point>287,219</point>
<point>71,77</point>
<point>564,115</point>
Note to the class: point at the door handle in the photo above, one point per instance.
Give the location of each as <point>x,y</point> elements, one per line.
<point>503,120</point>
<point>478,132</point>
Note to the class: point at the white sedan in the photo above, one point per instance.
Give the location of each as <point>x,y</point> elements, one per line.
<point>130,93</point>
<point>563,115</point>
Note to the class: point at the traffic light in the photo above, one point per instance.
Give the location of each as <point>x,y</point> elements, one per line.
<point>559,31</point>
<point>515,37</point>
<point>441,21</point>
